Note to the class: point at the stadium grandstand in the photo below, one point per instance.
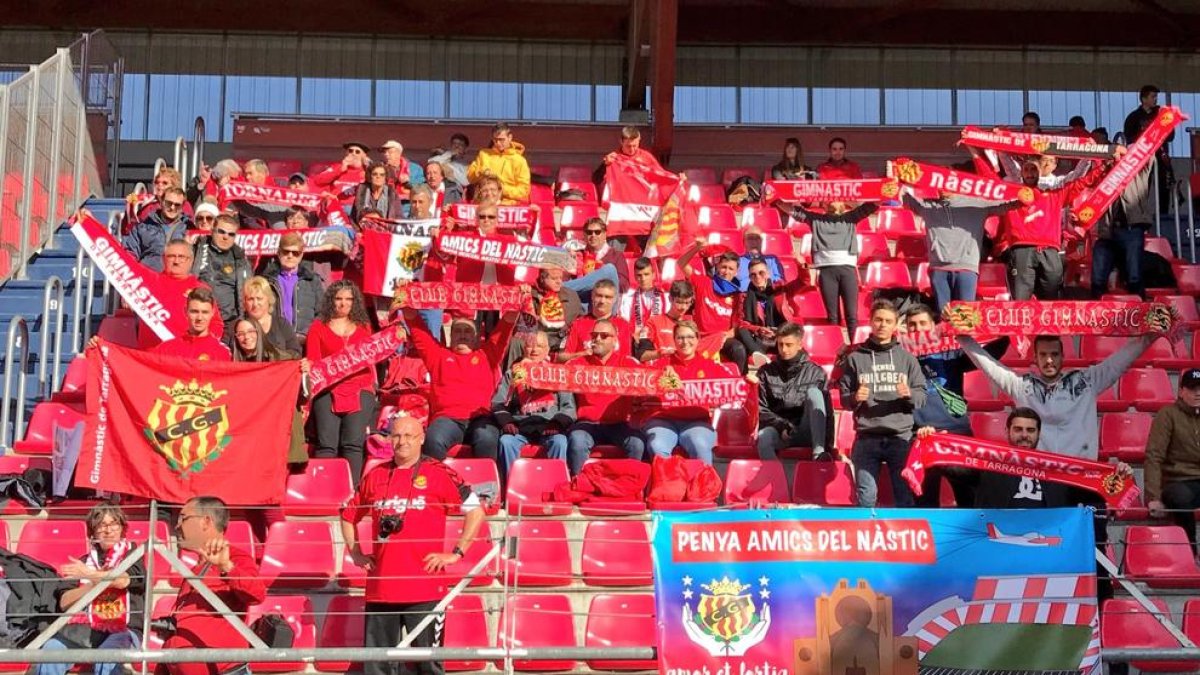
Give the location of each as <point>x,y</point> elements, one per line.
<point>397,219</point>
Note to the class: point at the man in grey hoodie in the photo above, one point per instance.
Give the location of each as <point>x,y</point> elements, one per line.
<point>883,384</point>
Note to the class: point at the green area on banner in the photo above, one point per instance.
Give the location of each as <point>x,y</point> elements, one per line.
<point>1011,646</point>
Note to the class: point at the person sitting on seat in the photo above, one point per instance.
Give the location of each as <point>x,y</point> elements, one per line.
<point>531,416</point>
<point>602,418</point>
<point>793,406</point>
<point>1172,470</point>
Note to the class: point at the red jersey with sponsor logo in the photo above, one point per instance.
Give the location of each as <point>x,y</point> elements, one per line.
<point>581,333</point>
<point>420,496</point>
<point>713,313</point>
<point>461,385</point>
<point>188,346</point>
<point>603,408</point>
<point>695,368</point>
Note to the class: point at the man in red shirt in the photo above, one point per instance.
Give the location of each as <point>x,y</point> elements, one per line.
<point>658,338</point>
<point>837,166</point>
<point>631,149</point>
<point>462,379</point>
<point>343,180</point>
<point>718,299</point>
<point>197,343</point>
<point>604,301</point>
<point>602,418</point>
<point>407,501</point>
<point>230,573</point>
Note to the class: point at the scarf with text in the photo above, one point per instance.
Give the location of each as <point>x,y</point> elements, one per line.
<point>1017,143</point>
<point>973,453</point>
<point>603,380</point>
<point>1089,207</point>
<point>1060,317</point>
<point>510,217</point>
<point>336,367</point>
<point>640,310</point>
<point>235,191</point>
<point>109,612</point>
<point>255,243</point>
<point>461,296</point>
<point>504,250</point>
<point>407,227</point>
<point>959,183</point>
<point>842,190</point>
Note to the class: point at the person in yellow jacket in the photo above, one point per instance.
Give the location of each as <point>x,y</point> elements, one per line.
<point>505,160</point>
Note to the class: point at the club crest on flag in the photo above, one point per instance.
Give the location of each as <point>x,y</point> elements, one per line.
<point>411,256</point>
<point>725,621</point>
<point>185,426</point>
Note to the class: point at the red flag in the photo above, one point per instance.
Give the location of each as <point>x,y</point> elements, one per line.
<point>170,428</point>
<point>638,195</point>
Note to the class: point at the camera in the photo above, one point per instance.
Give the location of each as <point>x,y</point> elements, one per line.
<point>164,627</point>
<point>389,525</point>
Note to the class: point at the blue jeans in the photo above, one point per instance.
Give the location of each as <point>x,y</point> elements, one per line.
<point>511,444</point>
<point>953,285</point>
<point>478,432</point>
<point>583,436</point>
<point>808,428</point>
<point>869,455</point>
<point>584,284</point>
<point>124,640</point>
<point>1123,251</point>
<point>696,437</point>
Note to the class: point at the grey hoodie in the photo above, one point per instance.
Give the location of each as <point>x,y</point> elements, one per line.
<point>954,229</point>
<point>881,368</point>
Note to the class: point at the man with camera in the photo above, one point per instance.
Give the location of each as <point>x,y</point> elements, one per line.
<point>408,500</point>
<point>228,572</point>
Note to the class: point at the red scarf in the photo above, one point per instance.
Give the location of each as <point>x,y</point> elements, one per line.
<point>109,612</point>
<point>510,217</point>
<point>1036,144</point>
<point>951,450</point>
<point>1060,317</point>
<point>841,190</point>
<point>956,182</point>
<point>604,380</point>
<point>461,296</point>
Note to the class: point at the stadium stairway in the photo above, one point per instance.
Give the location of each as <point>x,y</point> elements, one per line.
<point>25,298</point>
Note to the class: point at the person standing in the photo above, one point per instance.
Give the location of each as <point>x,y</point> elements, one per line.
<point>505,161</point>
<point>407,501</point>
<point>197,343</point>
<point>222,265</point>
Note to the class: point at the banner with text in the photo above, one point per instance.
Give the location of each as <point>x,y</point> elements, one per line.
<point>875,592</point>
<point>239,191</point>
<point>1059,317</point>
<point>461,296</point>
<point>959,183</point>
<point>337,367</point>
<point>510,217</point>
<point>505,250</point>
<point>1017,143</point>
<point>266,242</point>
<point>604,380</point>
<point>865,190</point>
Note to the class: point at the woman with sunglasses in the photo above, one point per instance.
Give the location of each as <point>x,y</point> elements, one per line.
<point>378,194</point>
<point>688,427</point>
<point>113,619</point>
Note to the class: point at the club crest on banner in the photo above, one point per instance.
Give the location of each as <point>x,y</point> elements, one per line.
<point>185,426</point>
<point>725,621</point>
<point>411,257</point>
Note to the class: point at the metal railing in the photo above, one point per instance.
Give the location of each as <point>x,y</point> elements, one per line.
<point>18,343</point>
<point>53,309</point>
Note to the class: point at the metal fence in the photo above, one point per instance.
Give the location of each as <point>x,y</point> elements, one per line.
<point>46,157</point>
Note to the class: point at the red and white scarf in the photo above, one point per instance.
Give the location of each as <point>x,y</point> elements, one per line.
<point>109,612</point>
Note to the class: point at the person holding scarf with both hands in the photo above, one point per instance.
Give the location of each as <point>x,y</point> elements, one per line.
<point>717,302</point>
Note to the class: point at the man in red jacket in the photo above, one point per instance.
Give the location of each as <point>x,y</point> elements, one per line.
<point>462,380</point>
<point>602,418</point>
<point>228,572</point>
<point>343,180</point>
<point>197,343</point>
<point>176,281</point>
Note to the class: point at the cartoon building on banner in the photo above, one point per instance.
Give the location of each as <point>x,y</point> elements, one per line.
<point>853,592</point>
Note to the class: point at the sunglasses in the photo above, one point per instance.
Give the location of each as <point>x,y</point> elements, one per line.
<point>593,233</point>
<point>290,252</point>
<point>602,336</point>
<point>486,217</point>
<point>227,233</point>
<point>206,219</point>
<point>173,205</point>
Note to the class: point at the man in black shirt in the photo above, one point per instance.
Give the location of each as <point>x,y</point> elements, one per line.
<point>999,491</point>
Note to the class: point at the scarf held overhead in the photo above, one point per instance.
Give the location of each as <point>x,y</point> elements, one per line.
<point>957,182</point>
<point>510,217</point>
<point>972,453</point>
<point>504,250</point>
<point>1018,143</point>
<point>461,296</point>
<point>267,194</point>
<point>1059,317</point>
<point>865,190</point>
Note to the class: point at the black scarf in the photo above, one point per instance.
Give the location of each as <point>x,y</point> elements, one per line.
<point>750,306</point>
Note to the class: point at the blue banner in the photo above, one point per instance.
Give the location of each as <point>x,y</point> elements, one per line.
<point>882,592</point>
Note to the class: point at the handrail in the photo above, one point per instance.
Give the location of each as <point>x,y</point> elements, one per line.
<point>197,147</point>
<point>159,164</point>
<point>181,155</point>
<point>51,304</point>
<point>18,337</point>
<point>82,275</point>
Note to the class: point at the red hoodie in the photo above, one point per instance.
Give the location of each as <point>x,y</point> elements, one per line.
<point>341,182</point>
<point>461,385</point>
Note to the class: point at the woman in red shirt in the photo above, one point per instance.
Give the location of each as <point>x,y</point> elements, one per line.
<point>345,410</point>
<point>688,427</point>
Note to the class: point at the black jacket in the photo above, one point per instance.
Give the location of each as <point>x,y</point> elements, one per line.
<point>34,588</point>
<point>782,390</point>
<point>148,238</point>
<point>226,272</point>
<point>306,299</point>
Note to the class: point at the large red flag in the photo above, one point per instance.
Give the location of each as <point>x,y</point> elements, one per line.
<point>637,194</point>
<point>171,428</point>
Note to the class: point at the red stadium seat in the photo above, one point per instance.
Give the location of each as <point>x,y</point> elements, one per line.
<point>791,269</point>
<point>808,306</point>
<point>886,274</point>
<point>911,248</point>
<point>284,168</point>
<point>755,481</point>
<point>845,433</point>
<point>735,172</point>
<point>992,426</point>
<point>718,217</point>
<point>321,490</point>
<point>1188,279</point>
<point>690,465</point>
<point>475,552</point>
<point>734,435</point>
<point>18,464</point>
<point>896,222</point>
<point>621,620</point>
<point>297,610</point>
<point>706,194</point>
<point>343,627</point>
<point>1096,348</point>
<point>873,246</point>
<point>39,435</point>
<point>75,382</point>
<point>762,217</point>
<point>1108,401</point>
<point>823,342</point>
<point>351,575</point>
<point>1125,624</point>
<point>544,170</point>
<point>530,480</point>
<point>298,554</point>
<point>616,553</point>
<point>238,534</point>
<point>1160,556</point>
<point>588,188</point>
<point>1191,626</point>
<point>977,389</point>
<point>1185,305</point>
<point>1123,435</point>
<point>466,626</point>
<point>701,175</point>
<point>1147,388</point>
<point>1161,246</point>
<point>575,214</point>
<point>728,238</point>
<point>537,621</point>
<point>481,473</point>
<point>540,193</point>
<point>542,555</point>
<point>993,279</point>
<point>53,542</point>
<point>575,173</point>
<point>777,244</point>
<point>138,532</point>
<point>823,484</point>
<point>4,536</point>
